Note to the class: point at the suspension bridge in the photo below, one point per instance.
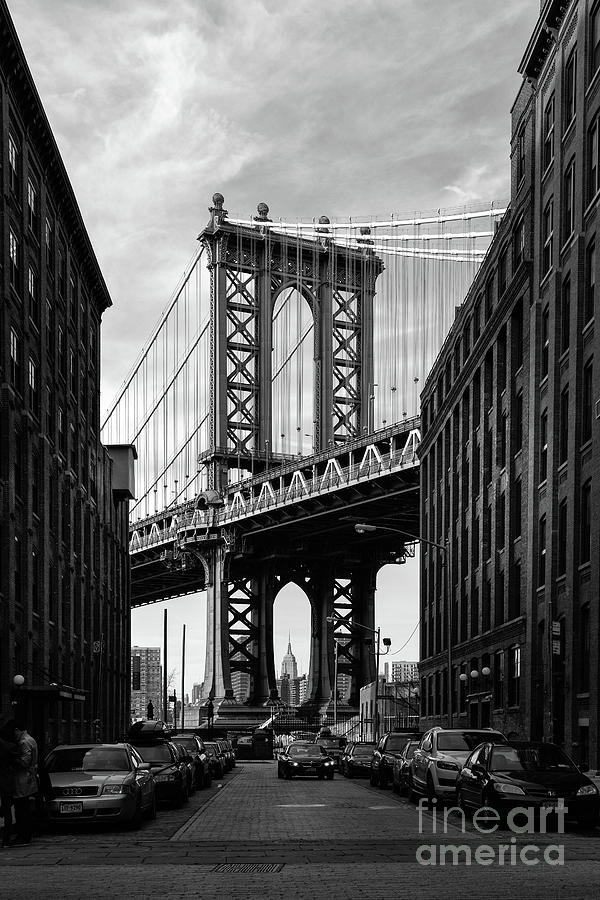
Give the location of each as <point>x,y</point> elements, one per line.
<point>275,404</point>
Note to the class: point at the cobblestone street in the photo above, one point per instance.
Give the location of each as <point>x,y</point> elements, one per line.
<point>257,836</point>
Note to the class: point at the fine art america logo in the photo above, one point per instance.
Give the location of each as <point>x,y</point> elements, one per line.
<point>486,821</point>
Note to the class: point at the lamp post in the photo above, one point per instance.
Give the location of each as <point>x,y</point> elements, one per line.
<point>386,643</point>
<point>335,674</point>
<point>363,528</point>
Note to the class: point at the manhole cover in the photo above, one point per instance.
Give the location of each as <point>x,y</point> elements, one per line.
<point>247,868</point>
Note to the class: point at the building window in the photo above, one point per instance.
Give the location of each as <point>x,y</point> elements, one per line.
<point>547,235</point>
<point>548,152</point>
<point>49,244</point>
<point>570,89</point>
<point>13,164</point>
<point>501,521</point>
<point>514,594</point>
<point>499,600</point>
<point>514,676</point>
<point>486,607</point>
<point>477,320</point>
<point>32,380</point>
<point>502,270</point>
<point>587,402</point>
<point>542,552</point>
<point>545,342</point>
<point>585,515</point>
<point>489,299</point>
<point>520,155</point>
<point>569,202</point>
<point>518,244</point>
<point>518,423</point>
<point>33,296</point>
<point>517,508</point>
<point>502,440</point>
<point>595,40</point>
<point>62,273</point>
<point>516,332</point>
<point>584,648</point>
<point>33,207</point>
<point>562,538</point>
<point>593,160</point>
<point>543,446</point>
<point>15,360</point>
<point>498,679</point>
<point>565,314</point>
<point>563,438</point>
<point>13,252</point>
<point>590,282</point>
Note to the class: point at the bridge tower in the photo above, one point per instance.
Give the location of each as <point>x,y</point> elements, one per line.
<point>251,265</point>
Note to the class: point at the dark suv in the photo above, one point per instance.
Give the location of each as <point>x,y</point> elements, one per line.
<point>388,749</point>
<point>152,741</point>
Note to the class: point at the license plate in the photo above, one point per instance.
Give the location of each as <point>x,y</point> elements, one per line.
<point>71,808</point>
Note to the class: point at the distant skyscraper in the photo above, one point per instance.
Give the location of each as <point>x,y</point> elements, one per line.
<point>289,666</point>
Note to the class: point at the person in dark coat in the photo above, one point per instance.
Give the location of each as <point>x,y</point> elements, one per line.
<point>9,752</point>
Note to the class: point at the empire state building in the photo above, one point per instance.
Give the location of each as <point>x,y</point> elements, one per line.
<point>289,666</point>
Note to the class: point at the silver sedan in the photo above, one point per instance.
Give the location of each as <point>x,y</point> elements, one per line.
<point>99,783</point>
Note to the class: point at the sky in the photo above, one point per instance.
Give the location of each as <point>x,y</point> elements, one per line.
<point>344,108</point>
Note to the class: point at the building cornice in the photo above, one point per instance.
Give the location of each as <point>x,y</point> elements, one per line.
<point>543,37</point>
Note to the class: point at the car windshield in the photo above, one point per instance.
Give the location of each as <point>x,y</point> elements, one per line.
<point>89,759</point>
<point>188,743</point>
<point>396,742</point>
<point>305,750</point>
<point>362,751</point>
<point>410,750</point>
<point>155,753</point>
<point>530,759</point>
<point>464,740</point>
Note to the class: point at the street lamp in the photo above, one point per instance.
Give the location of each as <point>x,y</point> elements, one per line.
<point>363,528</point>
<point>386,643</point>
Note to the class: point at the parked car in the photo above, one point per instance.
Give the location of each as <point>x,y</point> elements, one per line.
<point>99,783</point>
<point>228,754</point>
<point>170,772</point>
<point>333,744</point>
<point>194,745</point>
<point>215,758</point>
<point>390,746</point>
<point>401,767</point>
<point>244,748</point>
<point>188,759</point>
<point>305,759</point>
<point>440,756</point>
<point>528,774</point>
<point>355,761</point>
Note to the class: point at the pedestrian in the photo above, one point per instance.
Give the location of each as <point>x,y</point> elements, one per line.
<point>25,783</point>
<point>8,755</point>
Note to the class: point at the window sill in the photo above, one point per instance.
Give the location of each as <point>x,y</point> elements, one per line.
<point>589,325</point>
<point>593,83</point>
<point>568,243</point>
<point>545,279</point>
<point>592,204</point>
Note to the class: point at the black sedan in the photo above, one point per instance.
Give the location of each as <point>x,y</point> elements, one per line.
<point>356,760</point>
<point>527,774</point>
<point>170,772</point>
<point>305,759</point>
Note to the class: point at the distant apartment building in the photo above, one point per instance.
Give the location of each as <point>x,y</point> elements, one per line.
<point>240,684</point>
<point>146,682</point>
<point>405,671</point>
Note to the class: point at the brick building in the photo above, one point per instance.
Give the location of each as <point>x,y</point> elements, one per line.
<point>146,682</point>
<point>64,567</point>
<point>511,437</point>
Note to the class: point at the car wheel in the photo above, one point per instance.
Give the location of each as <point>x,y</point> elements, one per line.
<point>136,820</point>
<point>383,780</point>
<point>431,798</point>
<point>374,779</point>
<point>395,787</point>
<point>348,772</point>
<point>412,794</point>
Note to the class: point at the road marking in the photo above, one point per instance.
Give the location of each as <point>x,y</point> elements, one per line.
<point>299,805</point>
<point>383,807</point>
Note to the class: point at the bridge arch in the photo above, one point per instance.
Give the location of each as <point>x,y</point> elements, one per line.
<point>294,343</point>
